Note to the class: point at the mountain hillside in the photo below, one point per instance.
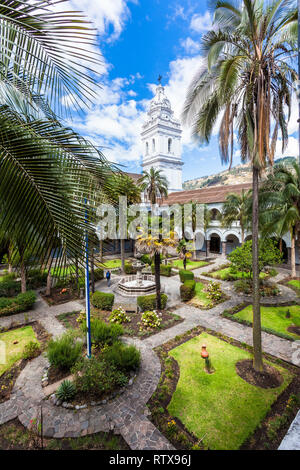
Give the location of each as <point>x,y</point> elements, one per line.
<point>237,175</point>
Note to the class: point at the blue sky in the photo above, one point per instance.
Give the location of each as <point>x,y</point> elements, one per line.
<point>140,39</point>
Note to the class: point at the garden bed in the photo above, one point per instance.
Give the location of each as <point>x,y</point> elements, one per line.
<point>60,296</point>
<point>14,436</point>
<point>201,299</point>
<point>273,318</point>
<point>190,265</point>
<point>9,376</point>
<point>132,328</point>
<point>198,422</point>
<point>224,273</point>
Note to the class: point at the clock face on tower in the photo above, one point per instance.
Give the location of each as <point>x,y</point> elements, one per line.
<point>161,137</point>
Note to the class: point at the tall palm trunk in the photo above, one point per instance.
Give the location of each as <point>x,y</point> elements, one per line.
<point>122,242</point>
<point>49,279</point>
<point>157,280</point>
<point>243,234</point>
<point>293,253</point>
<point>9,259</point>
<point>258,360</point>
<point>23,276</point>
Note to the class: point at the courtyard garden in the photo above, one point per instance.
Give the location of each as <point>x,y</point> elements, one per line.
<point>283,321</point>
<point>219,404</point>
<point>202,294</point>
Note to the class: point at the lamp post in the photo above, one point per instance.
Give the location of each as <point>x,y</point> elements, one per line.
<point>87,290</point>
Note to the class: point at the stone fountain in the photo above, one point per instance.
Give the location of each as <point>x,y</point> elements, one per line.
<point>139,284</point>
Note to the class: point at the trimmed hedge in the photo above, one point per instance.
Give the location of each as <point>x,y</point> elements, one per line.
<point>186,275</point>
<point>21,303</point>
<point>9,287</point>
<point>187,290</point>
<point>165,270</point>
<point>146,259</point>
<point>103,301</point>
<point>129,269</point>
<point>148,302</point>
<point>98,274</point>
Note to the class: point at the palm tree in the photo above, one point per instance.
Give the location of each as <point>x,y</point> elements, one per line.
<point>236,209</point>
<point>246,77</point>
<point>49,175</point>
<point>280,206</point>
<point>156,247</point>
<point>123,185</point>
<point>154,184</point>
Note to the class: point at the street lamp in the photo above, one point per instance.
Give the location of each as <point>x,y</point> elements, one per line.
<point>87,290</point>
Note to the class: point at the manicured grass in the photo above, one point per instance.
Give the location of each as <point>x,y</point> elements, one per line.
<point>112,263</point>
<point>14,352</point>
<point>224,273</point>
<point>221,408</point>
<point>63,272</point>
<point>190,265</point>
<point>295,283</point>
<point>200,298</point>
<point>274,318</point>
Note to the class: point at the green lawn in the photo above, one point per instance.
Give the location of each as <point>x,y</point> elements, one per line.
<point>190,265</point>
<point>63,272</point>
<point>112,263</point>
<point>221,409</point>
<point>224,273</point>
<point>295,283</point>
<point>14,352</point>
<point>200,299</point>
<point>274,318</point>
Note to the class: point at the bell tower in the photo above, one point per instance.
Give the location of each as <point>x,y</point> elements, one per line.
<point>161,137</point>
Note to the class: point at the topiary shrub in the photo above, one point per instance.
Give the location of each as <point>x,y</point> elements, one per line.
<point>9,287</point>
<point>165,270</point>
<point>187,290</point>
<point>66,391</point>
<point>186,275</point>
<point>148,302</point>
<point>103,301</point>
<point>21,303</point>
<point>129,269</point>
<point>95,377</point>
<point>102,333</point>
<point>98,274</point>
<point>146,259</point>
<point>64,352</point>
<point>123,357</point>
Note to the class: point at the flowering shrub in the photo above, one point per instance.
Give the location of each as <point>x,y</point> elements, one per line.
<point>213,291</point>
<point>171,428</point>
<point>150,320</point>
<point>119,316</point>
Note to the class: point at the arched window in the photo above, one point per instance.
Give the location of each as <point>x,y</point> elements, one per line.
<point>169,145</point>
<point>147,148</point>
<point>153,145</point>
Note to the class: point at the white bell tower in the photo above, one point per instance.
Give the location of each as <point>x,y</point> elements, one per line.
<point>161,137</point>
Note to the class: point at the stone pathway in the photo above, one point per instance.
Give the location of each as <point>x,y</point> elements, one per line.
<point>292,439</point>
<point>127,414</point>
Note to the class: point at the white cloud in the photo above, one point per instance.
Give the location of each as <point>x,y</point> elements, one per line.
<point>201,23</point>
<point>292,149</point>
<point>190,46</point>
<point>105,13</point>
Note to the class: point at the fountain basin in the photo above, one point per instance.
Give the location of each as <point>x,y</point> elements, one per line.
<point>133,286</point>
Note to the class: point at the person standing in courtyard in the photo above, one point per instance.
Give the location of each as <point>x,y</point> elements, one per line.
<point>108,276</point>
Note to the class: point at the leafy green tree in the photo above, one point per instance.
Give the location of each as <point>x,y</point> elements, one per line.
<point>280,206</point>
<point>246,77</point>
<point>236,209</point>
<point>241,257</point>
<point>49,175</point>
<point>123,185</point>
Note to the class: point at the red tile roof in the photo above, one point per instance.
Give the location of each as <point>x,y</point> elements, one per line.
<point>209,195</point>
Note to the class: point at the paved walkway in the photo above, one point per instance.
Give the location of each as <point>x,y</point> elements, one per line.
<point>127,414</point>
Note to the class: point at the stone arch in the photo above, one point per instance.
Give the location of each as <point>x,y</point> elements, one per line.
<point>215,213</point>
<point>281,244</point>
<point>215,242</point>
<point>232,242</point>
<point>248,238</point>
